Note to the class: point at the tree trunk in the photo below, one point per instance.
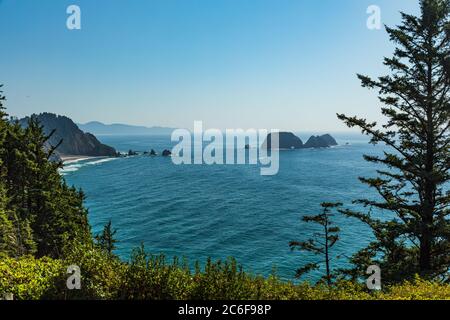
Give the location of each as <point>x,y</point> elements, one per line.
<point>327,260</point>
<point>429,184</point>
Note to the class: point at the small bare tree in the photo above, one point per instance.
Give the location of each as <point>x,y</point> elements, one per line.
<point>322,242</point>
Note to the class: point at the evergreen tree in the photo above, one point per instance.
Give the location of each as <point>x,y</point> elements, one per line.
<point>15,236</point>
<point>8,240</point>
<point>58,209</point>
<point>43,212</point>
<point>6,228</point>
<point>322,243</point>
<point>412,232</point>
<point>106,240</point>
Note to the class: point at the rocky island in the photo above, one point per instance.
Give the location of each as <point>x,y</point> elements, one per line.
<point>324,141</point>
<point>287,140</point>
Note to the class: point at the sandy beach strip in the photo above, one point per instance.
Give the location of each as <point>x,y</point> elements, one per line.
<point>67,159</point>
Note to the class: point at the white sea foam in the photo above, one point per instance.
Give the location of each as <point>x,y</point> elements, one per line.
<point>75,160</point>
<point>69,169</point>
<point>72,166</point>
<point>100,161</point>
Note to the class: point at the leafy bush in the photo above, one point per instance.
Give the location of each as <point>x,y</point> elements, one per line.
<point>101,273</point>
<point>148,277</point>
<point>151,277</point>
<point>417,290</point>
<point>28,278</point>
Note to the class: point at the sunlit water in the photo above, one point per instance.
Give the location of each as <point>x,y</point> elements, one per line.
<point>200,211</point>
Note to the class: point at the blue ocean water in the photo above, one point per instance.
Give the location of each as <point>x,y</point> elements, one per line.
<point>200,211</point>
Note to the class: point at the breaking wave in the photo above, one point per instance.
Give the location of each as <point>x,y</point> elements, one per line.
<point>75,165</point>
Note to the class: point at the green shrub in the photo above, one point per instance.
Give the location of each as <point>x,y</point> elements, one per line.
<point>149,277</point>
<point>101,273</point>
<point>28,278</point>
<point>152,277</point>
<point>417,290</point>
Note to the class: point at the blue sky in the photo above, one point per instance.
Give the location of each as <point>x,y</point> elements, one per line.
<point>285,64</point>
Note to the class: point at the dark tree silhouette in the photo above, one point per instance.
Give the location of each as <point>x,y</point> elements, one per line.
<point>106,240</point>
<point>322,242</point>
<point>413,234</point>
<point>39,213</point>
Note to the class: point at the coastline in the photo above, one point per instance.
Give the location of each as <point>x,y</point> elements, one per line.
<point>67,159</point>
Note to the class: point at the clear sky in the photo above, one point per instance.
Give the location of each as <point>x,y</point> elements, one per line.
<point>285,64</point>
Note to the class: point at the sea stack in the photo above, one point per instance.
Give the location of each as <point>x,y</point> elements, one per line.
<point>287,140</point>
<point>324,141</point>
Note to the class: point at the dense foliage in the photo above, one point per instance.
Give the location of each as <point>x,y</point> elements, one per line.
<point>39,213</point>
<point>152,277</point>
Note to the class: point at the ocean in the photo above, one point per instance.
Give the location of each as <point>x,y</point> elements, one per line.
<point>218,211</point>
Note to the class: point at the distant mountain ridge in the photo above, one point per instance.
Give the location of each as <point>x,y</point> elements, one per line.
<point>75,141</point>
<point>99,128</point>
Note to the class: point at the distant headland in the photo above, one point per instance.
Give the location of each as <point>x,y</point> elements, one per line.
<point>73,142</point>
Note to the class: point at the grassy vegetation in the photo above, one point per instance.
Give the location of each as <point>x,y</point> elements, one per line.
<point>153,277</point>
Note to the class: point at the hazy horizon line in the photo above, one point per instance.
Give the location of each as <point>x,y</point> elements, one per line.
<point>190,129</point>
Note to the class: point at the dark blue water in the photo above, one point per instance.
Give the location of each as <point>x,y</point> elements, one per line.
<point>201,211</point>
